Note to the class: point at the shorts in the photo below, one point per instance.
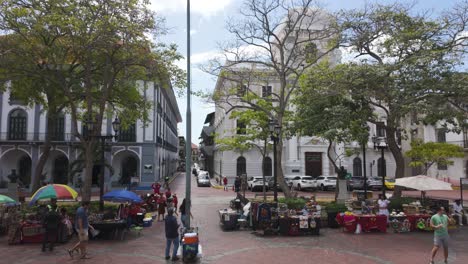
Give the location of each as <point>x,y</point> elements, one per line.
<point>83,236</point>
<point>442,241</point>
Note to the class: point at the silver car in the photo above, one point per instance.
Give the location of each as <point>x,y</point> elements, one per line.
<point>203,179</point>
<point>374,183</point>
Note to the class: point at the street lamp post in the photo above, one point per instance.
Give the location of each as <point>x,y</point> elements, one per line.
<point>91,126</point>
<point>275,130</point>
<point>380,143</point>
<point>364,146</point>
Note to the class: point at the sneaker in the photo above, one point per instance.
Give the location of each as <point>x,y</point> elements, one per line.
<point>70,252</point>
<point>167,257</point>
<point>175,258</point>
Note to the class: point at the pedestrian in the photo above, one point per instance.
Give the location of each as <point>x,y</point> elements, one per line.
<point>458,212</point>
<point>166,182</point>
<point>439,222</point>
<point>175,200</point>
<point>51,223</point>
<point>156,186</point>
<point>183,214</point>
<point>237,184</point>
<point>172,234</point>
<point>82,226</point>
<point>225,182</point>
<point>383,206</point>
<point>168,193</point>
<point>161,207</point>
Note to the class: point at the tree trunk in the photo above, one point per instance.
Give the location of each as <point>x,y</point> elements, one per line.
<point>279,169</point>
<point>263,169</point>
<point>337,188</point>
<point>397,155</point>
<point>36,184</point>
<point>87,178</point>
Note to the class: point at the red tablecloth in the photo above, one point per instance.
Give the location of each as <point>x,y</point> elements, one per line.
<point>367,222</point>
<point>31,233</point>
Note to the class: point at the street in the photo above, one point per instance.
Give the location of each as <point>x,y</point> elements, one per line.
<point>332,246</point>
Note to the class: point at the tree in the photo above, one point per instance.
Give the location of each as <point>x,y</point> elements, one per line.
<point>278,40</point>
<point>97,50</point>
<point>324,109</point>
<point>255,134</point>
<point>429,153</point>
<point>404,57</point>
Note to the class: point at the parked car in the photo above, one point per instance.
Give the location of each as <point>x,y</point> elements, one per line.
<point>374,183</point>
<point>303,182</point>
<point>203,179</point>
<point>390,184</point>
<point>288,178</point>
<point>355,183</point>
<point>256,182</point>
<point>326,182</point>
<point>270,182</point>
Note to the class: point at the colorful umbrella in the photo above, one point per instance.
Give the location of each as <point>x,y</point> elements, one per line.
<point>57,191</point>
<point>121,196</point>
<point>6,200</point>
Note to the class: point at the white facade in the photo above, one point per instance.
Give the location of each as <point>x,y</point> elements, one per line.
<point>145,152</point>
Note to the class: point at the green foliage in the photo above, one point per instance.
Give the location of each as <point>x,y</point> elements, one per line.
<point>429,153</point>
<point>334,207</point>
<point>397,203</point>
<point>293,203</point>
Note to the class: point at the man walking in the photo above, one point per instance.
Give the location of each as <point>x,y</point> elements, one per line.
<point>225,182</point>
<point>81,226</point>
<point>51,224</point>
<point>172,234</point>
<point>439,222</point>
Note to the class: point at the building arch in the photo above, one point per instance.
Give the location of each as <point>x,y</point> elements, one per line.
<point>267,166</point>
<point>241,167</point>
<point>357,167</point>
<point>126,164</point>
<point>17,124</point>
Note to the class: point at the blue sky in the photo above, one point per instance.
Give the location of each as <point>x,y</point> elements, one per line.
<point>208,29</point>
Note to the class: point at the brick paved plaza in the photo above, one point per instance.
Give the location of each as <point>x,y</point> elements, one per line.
<point>332,246</point>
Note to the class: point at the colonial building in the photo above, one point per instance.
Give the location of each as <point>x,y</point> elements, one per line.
<point>146,153</point>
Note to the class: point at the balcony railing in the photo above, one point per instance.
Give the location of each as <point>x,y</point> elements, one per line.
<point>461,143</point>
<point>24,137</point>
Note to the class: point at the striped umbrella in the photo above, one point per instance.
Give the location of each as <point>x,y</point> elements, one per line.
<point>6,200</point>
<point>57,191</point>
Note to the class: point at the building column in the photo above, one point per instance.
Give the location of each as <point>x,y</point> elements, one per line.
<point>34,160</point>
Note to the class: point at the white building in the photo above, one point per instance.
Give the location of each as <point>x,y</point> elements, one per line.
<point>145,152</point>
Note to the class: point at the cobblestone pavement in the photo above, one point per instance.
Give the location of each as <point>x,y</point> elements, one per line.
<point>332,246</point>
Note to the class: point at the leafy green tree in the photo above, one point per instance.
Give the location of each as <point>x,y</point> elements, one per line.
<point>95,51</point>
<point>275,42</point>
<point>324,109</point>
<point>403,58</point>
<point>430,153</point>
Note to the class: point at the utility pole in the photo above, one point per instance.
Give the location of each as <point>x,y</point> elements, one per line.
<point>188,127</point>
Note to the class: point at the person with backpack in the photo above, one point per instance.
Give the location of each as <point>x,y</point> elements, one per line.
<point>51,223</point>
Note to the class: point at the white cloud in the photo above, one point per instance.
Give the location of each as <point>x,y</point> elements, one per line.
<point>203,7</point>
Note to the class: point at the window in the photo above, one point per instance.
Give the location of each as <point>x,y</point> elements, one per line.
<point>241,128</point>
<point>357,167</point>
<point>442,166</point>
<point>381,167</point>
<point>57,132</point>
<point>15,100</point>
<point>241,90</point>
<point>128,135</point>
<point>17,125</point>
<point>267,166</point>
<point>441,135</point>
<point>266,91</point>
<point>380,129</point>
<point>241,166</point>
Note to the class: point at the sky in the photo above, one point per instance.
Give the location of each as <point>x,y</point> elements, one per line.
<point>208,29</point>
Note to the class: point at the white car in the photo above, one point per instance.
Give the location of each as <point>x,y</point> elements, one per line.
<point>326,182</point>
<point>203,179</point>
<point>256,182</point>
<point>303,182</point>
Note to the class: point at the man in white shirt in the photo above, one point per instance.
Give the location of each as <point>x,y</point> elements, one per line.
<point>458,212</point>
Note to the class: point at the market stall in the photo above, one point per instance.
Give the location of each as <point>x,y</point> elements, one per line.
<point>362,222</point>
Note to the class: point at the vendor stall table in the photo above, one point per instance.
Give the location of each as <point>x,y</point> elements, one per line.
<point>299,225</point>
<point>414,219</point>
<point>31,232</point>
<point>400,224</point>
<point>367,222</point>
<point>228,219</point>
<point>113,228</point>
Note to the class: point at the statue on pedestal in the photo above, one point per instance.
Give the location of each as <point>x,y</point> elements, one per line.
<point>13,177</point>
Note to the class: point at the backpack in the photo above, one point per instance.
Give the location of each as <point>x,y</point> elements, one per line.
<point>52,220</point>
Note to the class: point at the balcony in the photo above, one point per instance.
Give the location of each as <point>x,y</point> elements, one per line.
<point>461,143</point>
<point>34,137</point>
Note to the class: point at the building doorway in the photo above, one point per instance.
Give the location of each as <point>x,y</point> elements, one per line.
<point>60,172</point>
<point>313,164</point>
<point>24,170</point>
<point>129,169</point>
